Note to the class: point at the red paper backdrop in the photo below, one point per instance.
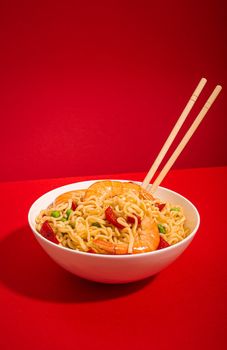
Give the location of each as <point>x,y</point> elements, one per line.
<point>95,87</point>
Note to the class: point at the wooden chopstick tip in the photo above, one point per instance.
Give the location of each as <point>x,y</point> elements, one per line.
<point>215,92</point>
<point>219,88</point>
<point>204,80</point>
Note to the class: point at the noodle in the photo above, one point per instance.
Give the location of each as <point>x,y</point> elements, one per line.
<point>77,229</point>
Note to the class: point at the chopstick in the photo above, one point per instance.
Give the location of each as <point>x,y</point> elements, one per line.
<point>184,141</point>
<point>174,133</point>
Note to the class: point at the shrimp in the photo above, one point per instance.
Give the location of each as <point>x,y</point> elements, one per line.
<point>146,240</point>
<point>73,195</point>
<point>110,188</point>
<point>105,189</point>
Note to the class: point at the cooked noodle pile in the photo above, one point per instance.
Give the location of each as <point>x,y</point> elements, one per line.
<point>77,222</point>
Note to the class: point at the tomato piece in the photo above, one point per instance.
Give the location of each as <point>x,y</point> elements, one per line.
<point>91,251</point>
<point>112,218</point>
<point>163,243</point>
<point>160,206</point>
<point>47,232</point>
<point>74,206</point>
<point>131,220</point>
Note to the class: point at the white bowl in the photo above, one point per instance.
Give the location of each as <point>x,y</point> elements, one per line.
<point>114,268</point>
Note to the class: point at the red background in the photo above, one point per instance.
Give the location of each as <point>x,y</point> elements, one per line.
<point>95,87</point>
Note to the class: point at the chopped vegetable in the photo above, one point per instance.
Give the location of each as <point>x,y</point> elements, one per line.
<point>131,220</point>
<point>63,219</point>
<point>91,251</point>
<point>55,214</point>
<point>68,212</point>
<point>47,232</point>
<point>74,206</point>
<point>160,206</point>
<point>163,243</point>
<point>161,228</point>
<point>96,224</point>
<point>175,209</point>
<point>112,218</point>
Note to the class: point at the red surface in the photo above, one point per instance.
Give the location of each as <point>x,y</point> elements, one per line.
<point>184,307</point>
<point>92,87</point>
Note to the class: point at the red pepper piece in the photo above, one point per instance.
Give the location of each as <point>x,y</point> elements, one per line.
<point>163,243</point>
<point>47,232</point>
<point>160,206</point>
<point>91,251</point>
<point>131,220</point>
<point>112,218</point>
<point>74,206</point>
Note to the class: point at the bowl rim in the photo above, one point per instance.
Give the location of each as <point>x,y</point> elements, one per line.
<point>114,256</point>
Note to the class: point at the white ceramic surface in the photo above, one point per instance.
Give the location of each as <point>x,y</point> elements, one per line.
<point>114,268</point>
